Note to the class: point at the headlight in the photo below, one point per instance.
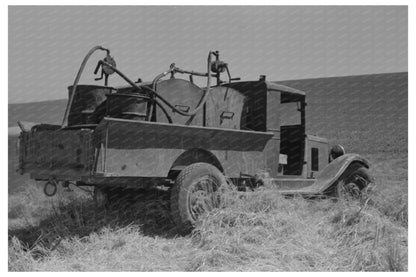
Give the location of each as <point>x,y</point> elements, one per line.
<point>336,151</point>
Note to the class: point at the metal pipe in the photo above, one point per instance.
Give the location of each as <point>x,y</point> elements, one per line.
<point>177,69</point>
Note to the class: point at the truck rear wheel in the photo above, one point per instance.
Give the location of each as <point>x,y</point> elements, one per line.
<point>356,178</point>
<point>196,191</point>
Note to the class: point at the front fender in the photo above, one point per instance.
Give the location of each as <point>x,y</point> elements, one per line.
<point>330,174</point>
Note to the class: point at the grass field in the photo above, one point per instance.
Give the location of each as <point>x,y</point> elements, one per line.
<point>256,231</point>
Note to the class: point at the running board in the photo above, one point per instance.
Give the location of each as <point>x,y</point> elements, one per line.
<point>291,183</point>
<point>301,187</point>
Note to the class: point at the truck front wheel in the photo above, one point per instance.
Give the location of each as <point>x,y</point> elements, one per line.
<point>355,179</point>
<point>196,191</point>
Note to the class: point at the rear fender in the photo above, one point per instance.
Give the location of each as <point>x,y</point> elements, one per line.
<point>334,170</point>
<point>191,156</point>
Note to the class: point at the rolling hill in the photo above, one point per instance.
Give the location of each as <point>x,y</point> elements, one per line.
<point>46,112</point>
<point>366,113</point>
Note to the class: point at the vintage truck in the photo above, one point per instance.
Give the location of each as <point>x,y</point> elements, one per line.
<point>170,132</point>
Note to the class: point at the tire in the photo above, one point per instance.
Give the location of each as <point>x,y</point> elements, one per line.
<point>194,194</point>
<point>354,180</point>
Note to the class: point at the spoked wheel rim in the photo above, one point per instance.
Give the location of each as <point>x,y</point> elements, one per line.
<point>351,189</point>
<point>203,196</point>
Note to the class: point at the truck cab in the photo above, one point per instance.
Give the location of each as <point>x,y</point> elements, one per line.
<point>281,110</point>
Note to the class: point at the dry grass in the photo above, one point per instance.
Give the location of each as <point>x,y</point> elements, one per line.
<point>263,231</point>
<point>254,231</point>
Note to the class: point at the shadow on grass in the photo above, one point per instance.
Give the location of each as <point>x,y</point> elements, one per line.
<point>149,211</point>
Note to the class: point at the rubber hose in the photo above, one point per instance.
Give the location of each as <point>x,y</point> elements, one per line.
<point>74,87</point>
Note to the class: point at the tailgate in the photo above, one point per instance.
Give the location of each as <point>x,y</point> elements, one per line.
<point>55,152</point>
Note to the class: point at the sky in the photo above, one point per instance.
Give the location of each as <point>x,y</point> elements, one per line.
<point>47,43</point>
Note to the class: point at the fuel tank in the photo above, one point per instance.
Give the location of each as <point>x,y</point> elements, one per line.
<point>223,108</point>
<point>184,96</point>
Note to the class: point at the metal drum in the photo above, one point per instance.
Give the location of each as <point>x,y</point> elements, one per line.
<point>127,105</point>
<point>86,100</point>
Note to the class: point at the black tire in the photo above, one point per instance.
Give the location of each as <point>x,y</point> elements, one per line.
<point>355,179</point>
<point>194,194</point>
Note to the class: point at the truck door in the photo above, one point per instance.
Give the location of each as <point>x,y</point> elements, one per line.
<point>317,154</point>
<point>273,125</point>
